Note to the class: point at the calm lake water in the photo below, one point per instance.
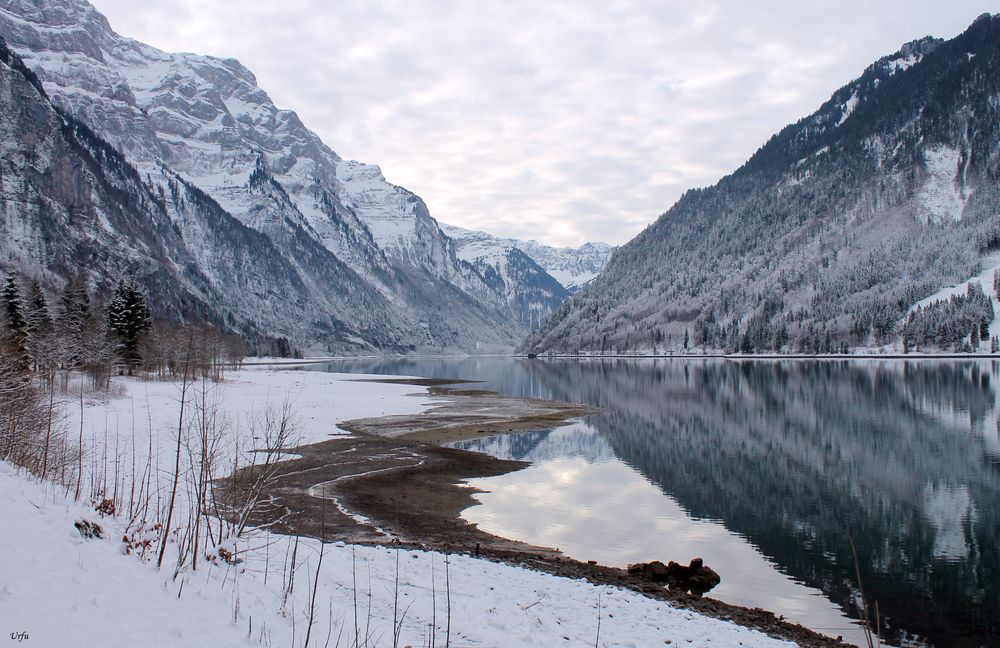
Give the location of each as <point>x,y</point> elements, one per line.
<point>762,468</point>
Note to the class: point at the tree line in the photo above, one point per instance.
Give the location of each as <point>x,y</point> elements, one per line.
<point>83,332</point>
<point>47,338</point>
<point>958,324</point>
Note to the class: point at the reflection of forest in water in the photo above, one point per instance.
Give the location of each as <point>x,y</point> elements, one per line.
<point>792,455</point>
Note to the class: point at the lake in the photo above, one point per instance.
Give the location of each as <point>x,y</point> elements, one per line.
<point>765,469</point>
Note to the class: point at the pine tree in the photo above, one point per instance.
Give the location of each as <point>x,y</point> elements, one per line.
<point>38,325</point>
<point>128,322</point>
<point>74,313</point>
<point>687,340</point>
<point>17,328</point>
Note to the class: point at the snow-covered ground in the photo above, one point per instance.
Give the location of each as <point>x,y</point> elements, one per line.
<point>62,589</point>
<point>990,264</point>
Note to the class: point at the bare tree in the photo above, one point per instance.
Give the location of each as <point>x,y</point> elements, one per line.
<point>177,463</point>
<point>242,496</point>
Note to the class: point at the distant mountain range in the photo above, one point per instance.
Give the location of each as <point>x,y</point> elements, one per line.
<point>830,235</point>
<point>540,276</point>
<point>178,170</point>
<point>571,267</point>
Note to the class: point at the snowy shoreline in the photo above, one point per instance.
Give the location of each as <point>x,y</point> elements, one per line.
<point>266,595</point>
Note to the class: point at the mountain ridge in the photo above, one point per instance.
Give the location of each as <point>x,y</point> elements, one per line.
<point>571,267</point>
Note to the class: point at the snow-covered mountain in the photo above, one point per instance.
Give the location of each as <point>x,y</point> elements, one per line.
<point>367,267</point>
<point>571,267</point>
<point>530,291</point>
<point>889,192</point>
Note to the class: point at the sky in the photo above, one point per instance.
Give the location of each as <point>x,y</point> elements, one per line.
<point>559,121</point>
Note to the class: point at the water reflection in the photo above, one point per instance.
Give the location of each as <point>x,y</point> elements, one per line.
<point>579,497</point>
<point>790,456</point>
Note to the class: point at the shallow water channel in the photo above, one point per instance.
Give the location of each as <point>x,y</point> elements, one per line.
<point>764,469</point>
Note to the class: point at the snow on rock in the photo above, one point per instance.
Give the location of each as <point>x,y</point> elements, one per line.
<point>389,211</point>
<point>571,267</point>
<point>903,63</point>
<point>848,107</point>
<point>940,197</point>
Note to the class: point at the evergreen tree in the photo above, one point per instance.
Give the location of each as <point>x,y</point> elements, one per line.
<point>38,325</point>
<point>128,322</point>
<point>74,313</point>
<point>687,340</point>
<point>780,337</point>
<point>14,309</point>
<point>16,333</point>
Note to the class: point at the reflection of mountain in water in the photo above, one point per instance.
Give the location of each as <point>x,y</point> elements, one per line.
<point>791,455</point>
<point>577,440</point>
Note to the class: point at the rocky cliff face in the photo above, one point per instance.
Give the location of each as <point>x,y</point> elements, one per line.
<point>71,203</point>
<point>532,292</point>
<point>365,266</point>
<point>572,267</point>
<point>830,232</point>
<point>536,278</point>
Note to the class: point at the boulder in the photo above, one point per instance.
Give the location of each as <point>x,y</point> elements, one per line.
<point>654,571</point>
<point>695,578</point>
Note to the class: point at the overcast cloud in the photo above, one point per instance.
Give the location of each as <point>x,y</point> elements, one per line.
<point>559,121</point>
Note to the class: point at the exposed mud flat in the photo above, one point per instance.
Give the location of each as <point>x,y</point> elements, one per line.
<point>468,414</point>
<point>389,483</point>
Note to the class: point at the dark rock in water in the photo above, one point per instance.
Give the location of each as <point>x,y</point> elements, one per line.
<point>696,578</point>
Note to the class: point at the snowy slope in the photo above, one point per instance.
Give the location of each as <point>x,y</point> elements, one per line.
<point>71,587</point>
<point>990,265</point>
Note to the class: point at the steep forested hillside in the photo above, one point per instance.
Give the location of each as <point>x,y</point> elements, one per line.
<point>830,232</point>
